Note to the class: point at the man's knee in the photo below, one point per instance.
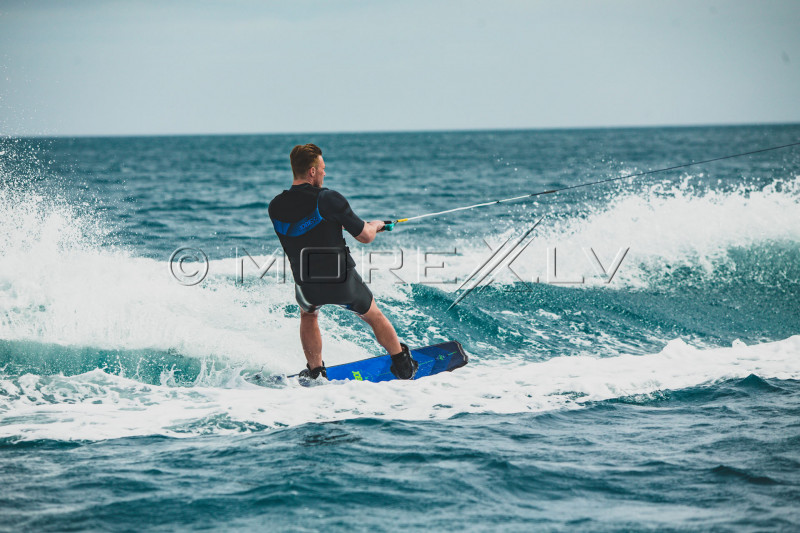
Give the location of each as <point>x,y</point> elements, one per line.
<point>373,315</point>
<point>309,316</point>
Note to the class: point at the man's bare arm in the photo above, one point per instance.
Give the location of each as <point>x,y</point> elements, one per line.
<point>371,228</point>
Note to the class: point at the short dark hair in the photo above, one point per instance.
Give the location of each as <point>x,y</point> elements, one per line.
<point>303,157</point>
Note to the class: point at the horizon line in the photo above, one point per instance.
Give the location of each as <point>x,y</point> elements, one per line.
<point>390,131</point>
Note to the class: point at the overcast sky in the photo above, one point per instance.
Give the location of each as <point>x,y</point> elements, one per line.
<point>99,67</point>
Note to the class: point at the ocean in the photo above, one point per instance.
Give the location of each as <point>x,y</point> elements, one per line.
<point>636,367</point>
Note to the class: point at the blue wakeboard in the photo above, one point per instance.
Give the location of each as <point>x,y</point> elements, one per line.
<point>432,360</point>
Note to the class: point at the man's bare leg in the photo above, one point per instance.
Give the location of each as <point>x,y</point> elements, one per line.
<point>383,329</point>
<point>311,339</point>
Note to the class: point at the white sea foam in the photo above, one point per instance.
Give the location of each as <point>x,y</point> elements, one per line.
<point>665,226</point>
<point>97,406</point>
<point>60,284</point>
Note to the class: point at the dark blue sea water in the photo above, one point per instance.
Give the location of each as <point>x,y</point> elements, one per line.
<point>663,397</point>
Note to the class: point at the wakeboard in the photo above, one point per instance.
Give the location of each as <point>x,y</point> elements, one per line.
<point>444,357</point>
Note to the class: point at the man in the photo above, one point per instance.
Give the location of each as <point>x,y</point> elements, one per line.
<point>309,220</point>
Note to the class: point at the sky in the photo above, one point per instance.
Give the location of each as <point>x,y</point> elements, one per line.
<point>108,67</point>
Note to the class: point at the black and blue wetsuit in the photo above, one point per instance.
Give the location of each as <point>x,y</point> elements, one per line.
<point>309,222</point>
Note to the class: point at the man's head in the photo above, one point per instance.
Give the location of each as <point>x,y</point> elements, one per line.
<point>307,164</point>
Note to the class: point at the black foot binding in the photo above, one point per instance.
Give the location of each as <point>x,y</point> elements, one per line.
<point>314,373</point>
<point>403,366</point>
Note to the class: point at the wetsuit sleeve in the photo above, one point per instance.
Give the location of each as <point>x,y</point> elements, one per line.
<point>335,208</point>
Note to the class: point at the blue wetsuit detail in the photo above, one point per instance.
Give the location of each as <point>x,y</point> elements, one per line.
<point>295,229</point>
